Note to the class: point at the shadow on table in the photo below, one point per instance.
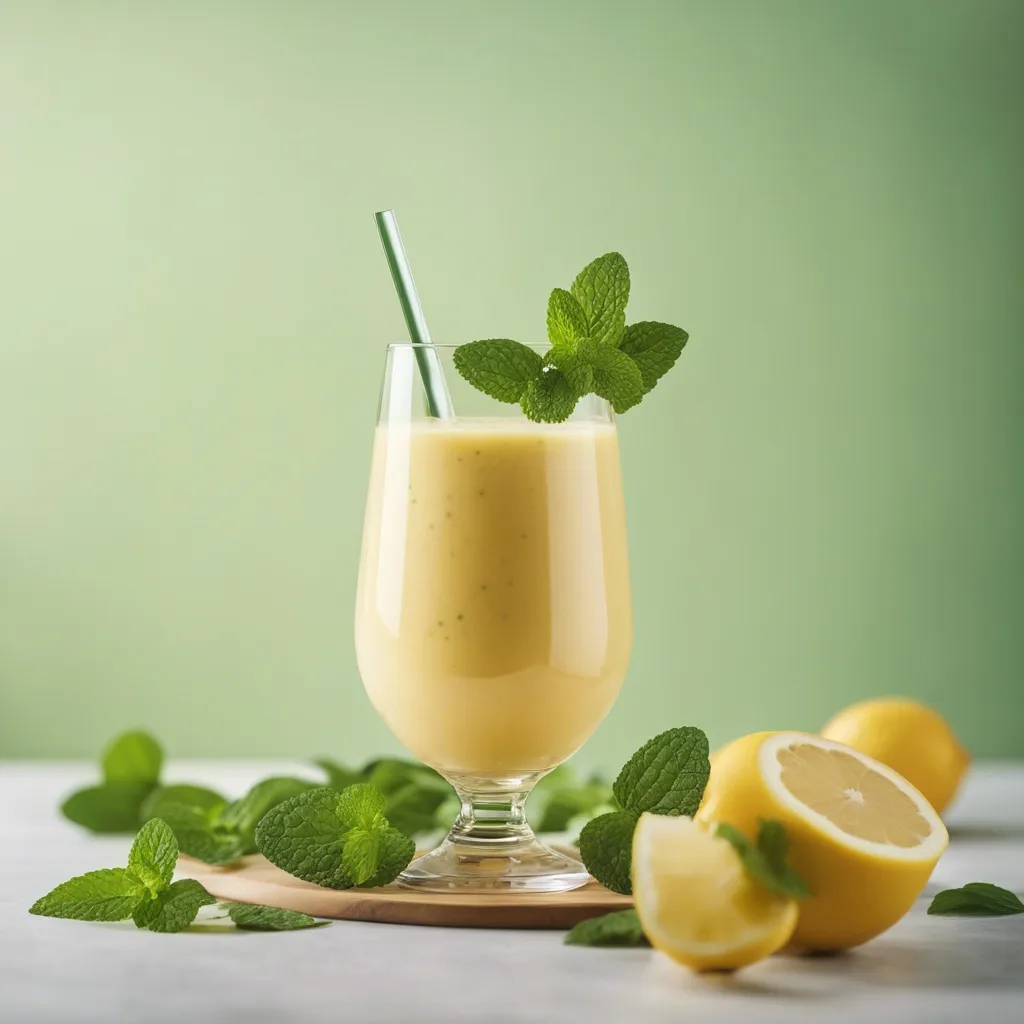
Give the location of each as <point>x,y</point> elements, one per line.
<point>986,832</point>
<point>991,959</point>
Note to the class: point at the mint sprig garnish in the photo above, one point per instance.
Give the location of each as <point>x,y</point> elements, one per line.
<point>338,840</point>
<point>976,899</point>
<point>619,928</point>
<point>143,891</point>
<point>221,832</point>
<point>765,859</point>
<point>592,350</point>
<point>131,771</point>
<point>667,775</point>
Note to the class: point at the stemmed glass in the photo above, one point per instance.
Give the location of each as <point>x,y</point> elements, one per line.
<point>493,622</point>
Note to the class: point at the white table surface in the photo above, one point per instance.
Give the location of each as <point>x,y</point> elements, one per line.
<point>65,972</point>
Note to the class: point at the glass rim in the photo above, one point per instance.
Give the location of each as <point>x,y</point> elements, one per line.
<point>444,345</point>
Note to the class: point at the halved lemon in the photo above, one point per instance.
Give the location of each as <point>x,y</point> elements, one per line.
<point>696,901</point>
<point>863,838</point>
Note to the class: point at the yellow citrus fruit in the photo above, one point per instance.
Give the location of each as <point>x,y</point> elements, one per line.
<point>863,838</point>
<point>910,738</point>
<point>696,901</point>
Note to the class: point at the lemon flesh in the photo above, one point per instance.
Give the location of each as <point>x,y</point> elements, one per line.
<point>696,902</point>
<point>909,737</point>
<point>862,837</point>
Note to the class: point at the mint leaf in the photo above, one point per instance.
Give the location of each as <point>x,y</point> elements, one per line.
<point>619,928</point>
<point>241,817</point>
<point>567,323</point>
<point>361,805</point>
<point>765,861</point>
<point>396,850</point>
<point>107,895</point>
<point>548,398</point>
<point>564,806</point>
<point>133,757</point>
<point>307,835</point>
<point>250,917</point>
<point>667,775</point>
<point>616,378</point>
<point>174,909</point>
<point>390,774</point>
<point>361,857</point>
<point>606,846</point>
<point>976,899</point>
<point>654,348</point>
<point>577,368</point>
<point>602,290</point>
<point>413,808</point>
<point>338,776</point>
<point>199,837</point>
<point>153,855</point>
<point>110,808</point>
<point>181,794</point>
<point>498,367</point>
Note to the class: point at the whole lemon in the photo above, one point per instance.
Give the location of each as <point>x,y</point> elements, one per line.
<point>909,737</point>
<point>864,839</point>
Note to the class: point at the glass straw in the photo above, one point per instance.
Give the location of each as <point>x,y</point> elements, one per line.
<point>439,402</point>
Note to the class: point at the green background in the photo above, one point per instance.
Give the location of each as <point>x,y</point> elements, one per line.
<point>825,499</point>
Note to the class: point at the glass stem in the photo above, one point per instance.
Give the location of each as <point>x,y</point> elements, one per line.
<point>492,819</point>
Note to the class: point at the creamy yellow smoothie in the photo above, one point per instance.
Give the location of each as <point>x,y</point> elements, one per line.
<point>493,618</point>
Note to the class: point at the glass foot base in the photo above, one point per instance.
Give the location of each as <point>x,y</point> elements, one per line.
<point>478,867</point>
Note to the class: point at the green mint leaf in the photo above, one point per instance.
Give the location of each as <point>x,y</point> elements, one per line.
<point>107,895</point>
<point>548,398</point>
<point>362,855</point>
<point>253,918</point>
<point>616,378</point>
<point>396,850</point>
<point>153,855</point>
<point>338,776</point>
<point>567,323</point>
<point>765,860</point>
<point>390,774</point>
<point>174,909</point>
<point>107,809</point>
<point>976,899</point>
<point>362,806</point>
<point>606,846</point>
<point>413,808</point>
<point>576,367</point>
<point>199,797</point>
<point>773,842</point>
<point>498,367</point>
<point>565,806</point>
<point>602,290</point>
<point>201,838</point>
<point>306,835</point>
<point>240,817</point>
<point>619,928</point>
<point>133,757</point>
<point>667,775</point>
<point>654,348</point>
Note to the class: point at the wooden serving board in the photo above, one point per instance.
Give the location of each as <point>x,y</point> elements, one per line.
<point>255,880</point>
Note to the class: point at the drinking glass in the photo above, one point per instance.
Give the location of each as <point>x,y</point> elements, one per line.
<point>493,621</point>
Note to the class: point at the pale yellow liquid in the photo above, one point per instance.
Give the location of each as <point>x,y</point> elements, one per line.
<point>493,619</point>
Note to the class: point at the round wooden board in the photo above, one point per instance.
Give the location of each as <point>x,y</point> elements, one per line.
<point>255,880</point>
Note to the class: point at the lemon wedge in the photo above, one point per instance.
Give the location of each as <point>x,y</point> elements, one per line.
<point>910,737</point>
<point>696,902</point>
<point>861,836</point>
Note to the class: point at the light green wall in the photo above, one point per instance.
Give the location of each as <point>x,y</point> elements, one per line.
<point>825,500</point>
